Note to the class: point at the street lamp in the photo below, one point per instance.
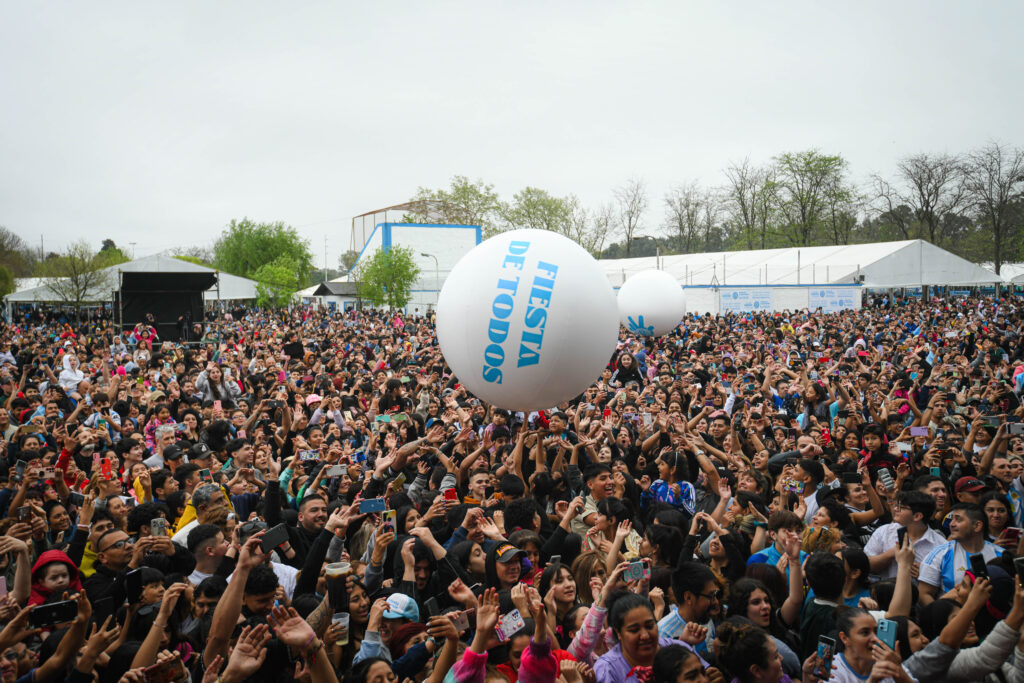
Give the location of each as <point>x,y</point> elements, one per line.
<point>437,274</point>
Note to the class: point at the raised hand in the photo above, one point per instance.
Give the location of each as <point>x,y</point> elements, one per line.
<point>486,613</point>
<point>290,628</point>
<point>461,593</point>
<point>250,652</point>
<point>693,633</point>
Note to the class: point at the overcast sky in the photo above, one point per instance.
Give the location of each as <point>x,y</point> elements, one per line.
<point>157,123</point>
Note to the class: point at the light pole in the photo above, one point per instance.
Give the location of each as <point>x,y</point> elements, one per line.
<point>437,274</point>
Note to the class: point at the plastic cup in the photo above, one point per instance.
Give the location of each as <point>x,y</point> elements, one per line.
<point>338,569</point>
<point>343,619</point>
<point>336,574</point>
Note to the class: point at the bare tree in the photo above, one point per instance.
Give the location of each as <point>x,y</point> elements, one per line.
<point>711,224</point>
<point>994,182</point>
<point>932,186</point>
<point>197,251</point>
<point>631,201</point>
<point>77,275</point>
<point>844,205</point>
<point>751,198</point>
<point>586,228</point>
<point>684,209</point>
<point>891,207</point>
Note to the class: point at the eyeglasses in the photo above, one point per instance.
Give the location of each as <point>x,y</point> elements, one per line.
<point>123,543</point>
<point>712,596</point>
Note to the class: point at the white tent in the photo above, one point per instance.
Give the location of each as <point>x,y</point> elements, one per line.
<point>231,286</point>
<point>1011,273</point>
<point>880,265</point>
<point>805,278</point>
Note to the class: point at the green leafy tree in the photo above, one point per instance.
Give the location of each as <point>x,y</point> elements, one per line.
<point>538,209</point>
<point>804,179</point>
<point>15,254</point>
<point>465,202</point>
<point>387,277</point>
<point>276,283</point>
<point>6,281</point>
<point>246,246</point>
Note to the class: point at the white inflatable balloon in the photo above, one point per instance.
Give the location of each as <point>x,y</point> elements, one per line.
<point>651,303</point>
<point>527,320</point>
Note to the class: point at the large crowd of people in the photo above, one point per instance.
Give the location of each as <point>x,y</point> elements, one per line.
<point>315,496</point>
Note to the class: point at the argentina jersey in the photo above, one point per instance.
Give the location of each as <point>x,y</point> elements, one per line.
<point>945,566</point>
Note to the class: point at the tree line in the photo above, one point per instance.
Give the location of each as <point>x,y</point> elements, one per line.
<point>971,204</point>
<point>272,254</point>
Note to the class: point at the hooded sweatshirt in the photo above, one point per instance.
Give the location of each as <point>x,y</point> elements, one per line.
<point>40,594</point>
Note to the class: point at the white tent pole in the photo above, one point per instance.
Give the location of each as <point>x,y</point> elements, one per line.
<point>798,266</point>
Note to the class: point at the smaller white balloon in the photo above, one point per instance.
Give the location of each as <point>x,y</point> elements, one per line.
<point>651,303</point>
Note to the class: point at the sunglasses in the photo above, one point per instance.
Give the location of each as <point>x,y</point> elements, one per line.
<point>252,526</point>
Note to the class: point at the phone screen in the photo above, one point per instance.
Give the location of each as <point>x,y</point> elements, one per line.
<point>826,649</point>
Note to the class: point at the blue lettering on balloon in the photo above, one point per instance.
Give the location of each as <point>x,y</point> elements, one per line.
<point>541,292</point>
<point>501,309</point>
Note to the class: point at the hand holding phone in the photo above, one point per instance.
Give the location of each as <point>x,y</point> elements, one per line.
<point>887,632</point>
<point>274,538</point>
<point>826,649</point>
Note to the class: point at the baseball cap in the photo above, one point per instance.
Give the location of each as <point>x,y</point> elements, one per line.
<point>969,484</point>
<point>199,451</point>
<point>173,452</point>
<point>401,606</point>
<point>507,552</point>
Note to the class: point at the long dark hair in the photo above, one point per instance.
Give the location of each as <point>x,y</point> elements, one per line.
<point>549,575</point>
<point>743,646</point>
<point>739,597</point>
<point>461,552</point>
<point>667,540</point>
<point>669,662</point>
<point>622,603</point>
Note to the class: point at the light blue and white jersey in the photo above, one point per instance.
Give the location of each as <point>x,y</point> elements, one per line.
<point>1015,492</point>
<point>945,566</point>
